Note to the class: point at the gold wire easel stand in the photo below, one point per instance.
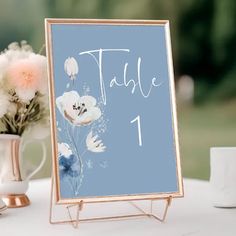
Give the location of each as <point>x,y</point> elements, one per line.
<point>79,207</point>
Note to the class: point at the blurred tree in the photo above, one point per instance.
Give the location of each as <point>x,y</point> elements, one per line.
<point>224,48</point>
<point>21,20</point>
<point>195,52</point>
<point>207,46</point>
<point>223,34</point>
<point>203,32</point>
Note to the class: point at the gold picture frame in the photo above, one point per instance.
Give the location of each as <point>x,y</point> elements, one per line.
<point>130,197</point>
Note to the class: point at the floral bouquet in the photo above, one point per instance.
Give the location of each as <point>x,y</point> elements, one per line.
<point>23,91</point>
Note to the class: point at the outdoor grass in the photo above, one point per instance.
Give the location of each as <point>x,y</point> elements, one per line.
<point>212,125</point>
<point>200,127</point>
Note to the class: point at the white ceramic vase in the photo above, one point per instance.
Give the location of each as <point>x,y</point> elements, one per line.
<point>12,187</point>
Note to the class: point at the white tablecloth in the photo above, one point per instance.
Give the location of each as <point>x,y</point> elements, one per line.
<point>189,216</point>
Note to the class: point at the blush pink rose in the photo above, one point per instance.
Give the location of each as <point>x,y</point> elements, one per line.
<point>24,75</point>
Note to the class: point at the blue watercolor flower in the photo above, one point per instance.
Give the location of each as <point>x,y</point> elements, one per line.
<point>68,166</point>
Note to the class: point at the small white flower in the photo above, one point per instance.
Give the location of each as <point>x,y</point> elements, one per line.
<point>64,150</point>
<point>17,54</point>
<point>93,144</point>
<point>4,103</point>
<point>78,110</point>
<point>23,46</point>
<point>14,46</point>
<point>71,67</point>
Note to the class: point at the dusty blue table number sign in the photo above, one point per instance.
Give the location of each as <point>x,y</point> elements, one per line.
<point>113,116</point>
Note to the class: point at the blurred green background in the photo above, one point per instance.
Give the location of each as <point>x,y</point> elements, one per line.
<point>204,50</point>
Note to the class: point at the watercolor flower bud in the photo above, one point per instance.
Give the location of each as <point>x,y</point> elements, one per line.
<point>71,67</point>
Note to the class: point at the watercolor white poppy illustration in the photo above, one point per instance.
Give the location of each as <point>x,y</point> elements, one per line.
<point>80,115</point>
<point>78,110</point>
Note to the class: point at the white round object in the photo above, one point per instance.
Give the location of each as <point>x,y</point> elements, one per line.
<point>223,176</point>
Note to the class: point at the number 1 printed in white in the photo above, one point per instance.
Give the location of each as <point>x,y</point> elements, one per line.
<point>137,118</point>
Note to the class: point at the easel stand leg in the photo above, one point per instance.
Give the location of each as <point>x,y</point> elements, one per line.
<point>79,207</point>
<point>151,214</point>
